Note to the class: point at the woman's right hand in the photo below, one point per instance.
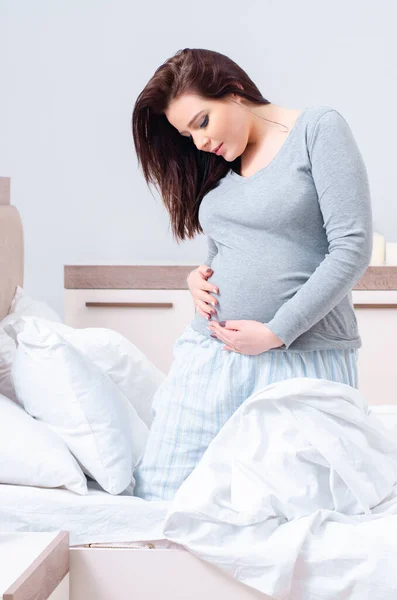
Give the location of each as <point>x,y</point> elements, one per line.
<point>200,288</point>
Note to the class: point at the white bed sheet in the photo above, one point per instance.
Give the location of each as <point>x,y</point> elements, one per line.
<point>300,486</point>
<point>100,517</point>
<point>96,517</point>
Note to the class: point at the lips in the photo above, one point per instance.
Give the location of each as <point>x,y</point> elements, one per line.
<point>216,151</point>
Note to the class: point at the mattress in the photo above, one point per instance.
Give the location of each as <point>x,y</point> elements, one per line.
<point>97,517</point>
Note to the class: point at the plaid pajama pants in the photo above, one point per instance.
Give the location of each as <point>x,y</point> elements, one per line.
<point>204,387</point>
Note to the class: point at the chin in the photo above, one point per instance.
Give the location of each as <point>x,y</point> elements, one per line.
<point>227,159</point>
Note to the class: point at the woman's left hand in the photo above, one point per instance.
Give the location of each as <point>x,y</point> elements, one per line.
<point>245,337</point>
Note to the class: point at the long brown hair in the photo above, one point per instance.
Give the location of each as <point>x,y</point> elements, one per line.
<point>182,173</point>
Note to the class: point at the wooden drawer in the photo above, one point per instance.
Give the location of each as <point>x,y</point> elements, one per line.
<point>151,319</point>
<point>377,363</point>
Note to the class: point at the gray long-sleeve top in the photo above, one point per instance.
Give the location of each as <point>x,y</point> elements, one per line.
<point>288,244</point>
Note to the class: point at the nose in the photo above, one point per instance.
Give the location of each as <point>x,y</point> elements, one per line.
<point>204,146</point>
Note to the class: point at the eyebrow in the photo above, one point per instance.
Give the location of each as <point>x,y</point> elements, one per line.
<point>192,121</point>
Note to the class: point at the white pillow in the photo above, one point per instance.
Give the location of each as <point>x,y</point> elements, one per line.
<point>7,355</point>
<point>126,365</point>
<point>21,305</point>
<point>32,454</point>
<point>60,386</point>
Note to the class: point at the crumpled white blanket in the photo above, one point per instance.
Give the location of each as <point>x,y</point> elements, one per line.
<point>297,496</point>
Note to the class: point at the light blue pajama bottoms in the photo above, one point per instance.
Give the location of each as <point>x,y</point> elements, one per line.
<point>203,388</point>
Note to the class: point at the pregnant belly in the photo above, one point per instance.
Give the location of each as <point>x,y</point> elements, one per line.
<point>249,294</point>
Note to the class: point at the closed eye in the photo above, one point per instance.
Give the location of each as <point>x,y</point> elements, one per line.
<point>202,124</point>
<point>206,121</point>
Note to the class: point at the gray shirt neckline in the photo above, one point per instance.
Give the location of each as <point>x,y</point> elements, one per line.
<point>240,178</point>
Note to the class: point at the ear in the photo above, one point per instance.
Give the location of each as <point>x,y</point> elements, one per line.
<point>236,96</point>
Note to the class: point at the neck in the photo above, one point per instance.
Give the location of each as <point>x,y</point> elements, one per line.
<point>261,122</point>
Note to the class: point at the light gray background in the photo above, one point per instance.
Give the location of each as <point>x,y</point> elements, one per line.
<point>70,72</point>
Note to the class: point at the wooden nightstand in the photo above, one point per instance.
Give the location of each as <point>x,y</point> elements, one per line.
<point>149,305</point>
<point>34,566</point>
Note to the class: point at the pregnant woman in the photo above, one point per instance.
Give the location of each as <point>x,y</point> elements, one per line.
<point>283,197</point>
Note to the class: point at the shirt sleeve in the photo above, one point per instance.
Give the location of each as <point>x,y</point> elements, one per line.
<point>212,250</point>
<point>341,181</point>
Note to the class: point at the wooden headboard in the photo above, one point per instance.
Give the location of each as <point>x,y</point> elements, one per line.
<point>11,248</point>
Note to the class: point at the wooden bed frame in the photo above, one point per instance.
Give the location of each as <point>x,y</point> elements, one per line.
<point>125,571</point>
<point>150,574</point>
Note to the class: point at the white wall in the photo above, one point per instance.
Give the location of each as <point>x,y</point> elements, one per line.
<point>70,71</point>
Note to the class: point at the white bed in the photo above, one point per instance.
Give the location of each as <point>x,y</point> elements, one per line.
<point>100,519</point>
<point>117,545</point>
<point>134,556</point>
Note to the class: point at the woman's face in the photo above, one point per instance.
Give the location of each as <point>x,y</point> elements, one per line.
<point>218,122</point>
